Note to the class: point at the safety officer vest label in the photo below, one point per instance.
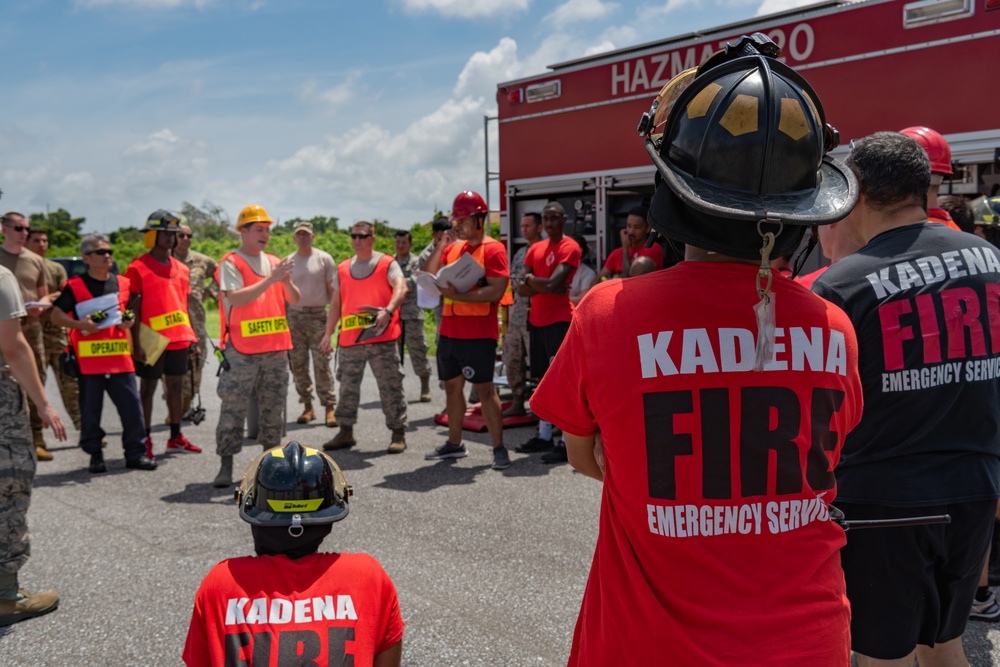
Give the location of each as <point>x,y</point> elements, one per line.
<point>263,327</point>
<point>358,321</point>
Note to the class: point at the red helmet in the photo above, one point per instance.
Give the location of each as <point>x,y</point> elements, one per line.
<point>934,145</point>
<point>467,204</point>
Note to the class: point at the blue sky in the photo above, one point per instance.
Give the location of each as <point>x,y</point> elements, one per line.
<point>351,108</point>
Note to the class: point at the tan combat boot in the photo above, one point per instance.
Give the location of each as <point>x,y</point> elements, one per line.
<point>425,389</point>
<point>398,444</point>
<point>308,414</point>
<point>27,606</point>
<point>41,452</point>
<point>343,440</point>
<point>331,418</point>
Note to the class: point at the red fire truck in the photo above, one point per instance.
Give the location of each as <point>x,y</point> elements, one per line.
<point>569,134</point>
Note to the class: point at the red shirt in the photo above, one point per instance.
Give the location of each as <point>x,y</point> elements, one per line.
<point>542,259</point>
<point>337,605</point>
<point>614,261</point>
<point>497,266</point>
<point>717,477</point>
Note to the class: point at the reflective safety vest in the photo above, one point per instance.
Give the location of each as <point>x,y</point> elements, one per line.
<point>108,350</point>
<point>374,290</point>
<point>462,308</point>
<point>164,306</point>
<point>260,326</point>
<point>941,216</point>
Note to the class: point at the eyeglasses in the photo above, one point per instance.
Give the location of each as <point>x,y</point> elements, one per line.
<point>182,235</point>
<point>103,252</point>
<point>361,237</point>
<point>19,228</point>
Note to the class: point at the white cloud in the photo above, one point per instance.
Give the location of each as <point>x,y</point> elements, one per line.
<point>466,8</point>
<point>772,6</point>
<point>484,70</point>
<point>578,11</point>
<point>331,98</point>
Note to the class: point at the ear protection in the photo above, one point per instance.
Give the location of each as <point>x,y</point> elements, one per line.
<point>149,239</point>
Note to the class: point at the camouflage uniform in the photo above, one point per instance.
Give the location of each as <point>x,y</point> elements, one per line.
<point>307,326</point>
<point>17,472</point>
<point>54,341</point>
<point>411,318</point>
<point>265,373</point>
<point>202,268</point>
<point>384,360</point>
<point>515,342</point>
<point>31,327</point>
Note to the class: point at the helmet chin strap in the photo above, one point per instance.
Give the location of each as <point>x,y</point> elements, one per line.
<point>765,307</point>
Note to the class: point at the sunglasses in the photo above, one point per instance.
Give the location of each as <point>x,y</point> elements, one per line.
<point>182,235</point>
<point>19,228</point>
<point>361,237</point>
<point>103,252</point>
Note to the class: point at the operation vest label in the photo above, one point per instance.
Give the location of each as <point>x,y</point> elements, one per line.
<point>263,327</point>
<point>161,322</point>
<point>104,348</point>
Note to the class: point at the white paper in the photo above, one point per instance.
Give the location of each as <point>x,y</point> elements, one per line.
<point>426,299</point>
<point>38,304</point>
<point>108,303</point>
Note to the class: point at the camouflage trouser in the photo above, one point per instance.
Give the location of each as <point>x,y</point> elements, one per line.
<point>306,327</point>
<point>265,373</point>
<point>17,472</point>
<point>516,349</point>
<point>384,360</point>
<point>32,330</point>
<point>69,390</point>
<point>413,336</point>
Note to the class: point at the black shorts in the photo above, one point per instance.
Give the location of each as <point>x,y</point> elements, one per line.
<point>913,585</point>
<point>545,342</point>
<point>472,358</point>
<point>171,362</point>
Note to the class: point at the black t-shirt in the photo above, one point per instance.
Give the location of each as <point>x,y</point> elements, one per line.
<point>925,302</point>
<point>67,300</point>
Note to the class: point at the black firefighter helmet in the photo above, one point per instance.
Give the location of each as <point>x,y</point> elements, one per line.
<point>744,140</point>
<point>293,486</point>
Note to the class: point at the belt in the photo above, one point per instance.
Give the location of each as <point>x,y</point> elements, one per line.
<point>308,309</point>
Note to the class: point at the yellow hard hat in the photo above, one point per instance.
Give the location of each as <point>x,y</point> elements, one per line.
<point>251,214</point>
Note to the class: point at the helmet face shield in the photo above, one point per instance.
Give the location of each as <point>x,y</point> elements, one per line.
<point>293,485</point>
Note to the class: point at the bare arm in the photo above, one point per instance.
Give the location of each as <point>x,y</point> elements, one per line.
<point>399,291</point>
<point>554,284</point>
<point>391,657</point>
<point>580,450</point>
<point>21,361</point>
<point>433,262</point>
<point>245,295</point>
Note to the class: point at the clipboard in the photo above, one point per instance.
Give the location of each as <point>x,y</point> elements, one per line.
<point>152,342</point>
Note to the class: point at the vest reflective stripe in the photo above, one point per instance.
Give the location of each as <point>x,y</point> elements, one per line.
<point>374,290</point>
<point>108,350</point>
<point>260,326</point>
<point>461,308</point>
<point>164,300</point>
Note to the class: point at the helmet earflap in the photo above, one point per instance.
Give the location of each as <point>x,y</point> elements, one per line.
<point>149,239</point>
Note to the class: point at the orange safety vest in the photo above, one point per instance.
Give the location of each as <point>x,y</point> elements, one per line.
<point>107,350</point>
<point>946,221</point>
<point>462,308</point>
<point>374,290</point>
<point>260,326</point>
<point>164,300</point>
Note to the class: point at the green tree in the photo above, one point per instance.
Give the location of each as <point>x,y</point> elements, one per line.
<point>209,222</point>
<point>321,224</point>
<point>63,228</point>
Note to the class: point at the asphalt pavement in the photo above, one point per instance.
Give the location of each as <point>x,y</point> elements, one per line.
<point>489,566</point>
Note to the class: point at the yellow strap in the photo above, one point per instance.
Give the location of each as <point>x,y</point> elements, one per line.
<point>161,322</point>
<point>263,327</point>
<point>104,348</point>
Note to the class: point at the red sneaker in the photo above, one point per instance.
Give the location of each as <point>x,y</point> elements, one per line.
<point>181,444</point>
<point>148,442</point>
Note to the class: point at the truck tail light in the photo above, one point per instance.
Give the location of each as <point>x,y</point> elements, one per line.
<point>515,96</point>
